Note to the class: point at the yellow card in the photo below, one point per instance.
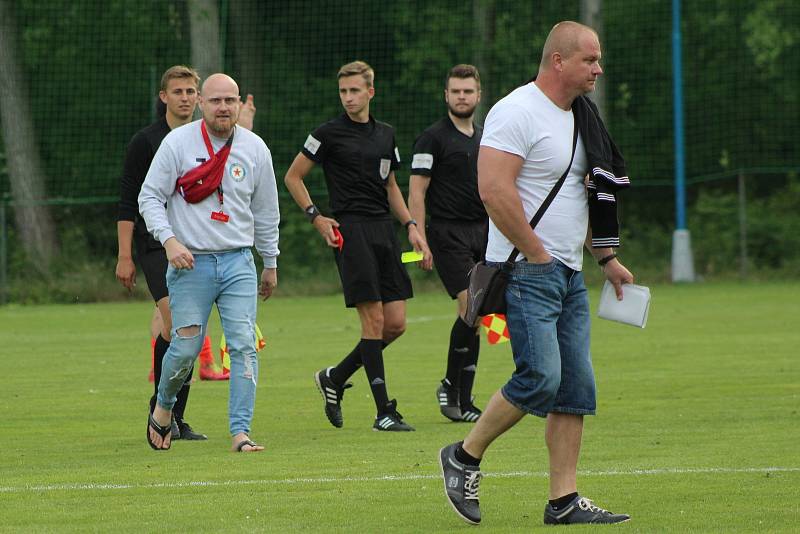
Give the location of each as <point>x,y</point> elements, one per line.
<point>411,256</point>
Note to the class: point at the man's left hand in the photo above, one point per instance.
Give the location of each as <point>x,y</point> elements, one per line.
<point>269,281</point>
<point>420,245</point>
<point>617,274</point>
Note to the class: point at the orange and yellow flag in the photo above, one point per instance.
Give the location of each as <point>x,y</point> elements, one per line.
<point>225,355</point>
<point>496,329</point>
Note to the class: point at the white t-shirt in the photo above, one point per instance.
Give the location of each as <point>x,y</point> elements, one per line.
<point>528,124</point>
<point>250,195</point>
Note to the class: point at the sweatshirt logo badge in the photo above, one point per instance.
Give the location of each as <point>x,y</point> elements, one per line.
<point>237,172</point>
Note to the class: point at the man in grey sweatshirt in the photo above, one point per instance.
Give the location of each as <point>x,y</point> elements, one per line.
<point>207,237</point>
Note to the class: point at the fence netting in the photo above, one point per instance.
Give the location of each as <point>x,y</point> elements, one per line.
<point>91,70</point>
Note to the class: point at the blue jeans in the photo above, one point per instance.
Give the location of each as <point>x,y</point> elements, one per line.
<point>229,279</point>
<point>548,320</point>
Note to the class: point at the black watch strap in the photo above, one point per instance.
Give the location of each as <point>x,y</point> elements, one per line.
<point>410,222</point>
<point>602,261</point>
<point>312,213</point>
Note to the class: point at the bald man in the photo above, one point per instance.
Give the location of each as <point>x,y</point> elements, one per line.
<point>527,145</point>
<point>218,185</point>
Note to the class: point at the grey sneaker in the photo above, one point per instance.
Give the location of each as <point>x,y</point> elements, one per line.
<point>332,394</point>
<point>581,510</point>
<point>461,483</point>
<point>447,395</point>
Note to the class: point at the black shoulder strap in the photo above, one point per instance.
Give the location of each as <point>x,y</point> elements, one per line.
<point>552,195</point>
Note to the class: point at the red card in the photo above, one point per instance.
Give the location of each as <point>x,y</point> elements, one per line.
<point>220,216</point>
<point>339,238</point>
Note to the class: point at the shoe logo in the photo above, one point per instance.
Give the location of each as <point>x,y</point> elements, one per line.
<point>452,482</point>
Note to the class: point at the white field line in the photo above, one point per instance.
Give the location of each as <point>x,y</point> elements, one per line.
<point>387,478</point>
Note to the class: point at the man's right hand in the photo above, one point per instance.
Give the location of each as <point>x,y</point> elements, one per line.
<point>539,258</point>
<point>325,226</point>
<point>126,273</point>
<point>178,255</point>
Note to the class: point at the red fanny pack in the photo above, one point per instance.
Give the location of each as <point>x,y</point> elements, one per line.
<point>203,180</point>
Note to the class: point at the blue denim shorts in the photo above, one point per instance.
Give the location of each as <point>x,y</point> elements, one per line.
<point>548,320</point>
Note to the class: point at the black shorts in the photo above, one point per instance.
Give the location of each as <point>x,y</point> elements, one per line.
<point>456,247</point>
<point>153,262</point>
<point>369,263</point>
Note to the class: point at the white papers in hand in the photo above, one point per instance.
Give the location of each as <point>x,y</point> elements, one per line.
<point>632,309</point>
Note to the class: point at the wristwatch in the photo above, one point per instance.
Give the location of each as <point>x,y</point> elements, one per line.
<point>410,222</point>
<point>312,213</point>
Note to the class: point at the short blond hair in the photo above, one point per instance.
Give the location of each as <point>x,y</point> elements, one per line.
<point>179,72</point>
<point>356,68</point>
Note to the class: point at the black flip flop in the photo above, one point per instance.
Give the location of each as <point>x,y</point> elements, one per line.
<point>162,431</point>
<point>241,445</point>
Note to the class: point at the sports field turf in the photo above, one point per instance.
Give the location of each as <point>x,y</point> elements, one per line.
<point>698,427</point>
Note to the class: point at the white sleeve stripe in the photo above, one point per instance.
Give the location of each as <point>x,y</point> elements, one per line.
<point>422,161</point>
<point>312,144</point>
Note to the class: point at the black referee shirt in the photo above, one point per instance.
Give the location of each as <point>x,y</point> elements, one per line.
<point>138,158</point>
<point>357,159</point>
<point>450,159</point>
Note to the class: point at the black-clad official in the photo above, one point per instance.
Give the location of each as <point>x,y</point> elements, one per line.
<point>359,156</point>
<point>444,186</point>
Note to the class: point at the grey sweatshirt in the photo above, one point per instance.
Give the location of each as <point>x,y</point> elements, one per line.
<point>250,195</point>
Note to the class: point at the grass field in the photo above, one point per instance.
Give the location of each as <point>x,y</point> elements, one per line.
<point>698,426</point>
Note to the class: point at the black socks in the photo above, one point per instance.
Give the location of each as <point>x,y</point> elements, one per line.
<point>470,366</point>
<point>460,337</point>
<point>465,458</point>
<point>561,502</point>
<point>372,358</point>
<point>183,397</point>
<point>347,367</point>
<point>462,359</point>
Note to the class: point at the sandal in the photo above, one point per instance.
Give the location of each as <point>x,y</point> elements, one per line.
<point>162,431</point>
<point>249,442</point>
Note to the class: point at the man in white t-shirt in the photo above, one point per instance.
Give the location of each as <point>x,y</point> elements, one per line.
<point>225,202</point>
<point>526,147</point>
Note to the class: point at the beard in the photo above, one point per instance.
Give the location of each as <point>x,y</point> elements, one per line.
<point>221,126</point>
<point>462,114</point>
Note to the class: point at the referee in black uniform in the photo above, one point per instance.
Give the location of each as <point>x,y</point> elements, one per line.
<point>444,182</point>
<point>359,155</point>
<point>179,93</point>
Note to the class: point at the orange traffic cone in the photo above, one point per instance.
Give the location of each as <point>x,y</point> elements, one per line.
<point>209,369</point>
<point>151,377</point>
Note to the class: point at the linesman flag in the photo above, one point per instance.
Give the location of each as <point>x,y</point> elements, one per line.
<point>226,356</point>
<point>496,328</point>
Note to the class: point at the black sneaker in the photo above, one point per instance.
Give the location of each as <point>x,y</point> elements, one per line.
<point>581,510</point>
<point>461,483</point>
<point>174,429</point>
<point>332,394</point>
<point>187,432</point>
<point>447,395</point>
<point>470,414</point>
<point>391,420</point>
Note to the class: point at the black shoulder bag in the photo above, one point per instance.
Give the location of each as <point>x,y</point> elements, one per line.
<point>487,284</point>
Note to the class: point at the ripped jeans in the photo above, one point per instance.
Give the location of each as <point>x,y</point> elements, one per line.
<point>229,279</point>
